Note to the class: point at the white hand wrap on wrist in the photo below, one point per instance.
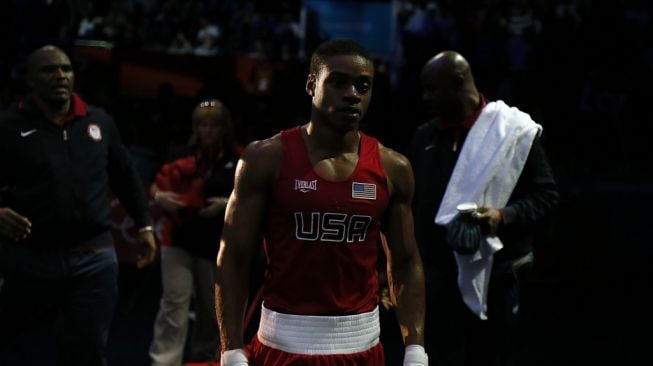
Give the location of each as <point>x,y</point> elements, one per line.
<point>415,356</point>
<point>234,357</point>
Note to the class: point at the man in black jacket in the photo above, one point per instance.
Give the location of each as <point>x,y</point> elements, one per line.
<point>454,334</point>
<point>59,157</point>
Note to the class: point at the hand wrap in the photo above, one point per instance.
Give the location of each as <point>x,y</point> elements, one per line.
<point>415,356</point>
<point>234,357</point>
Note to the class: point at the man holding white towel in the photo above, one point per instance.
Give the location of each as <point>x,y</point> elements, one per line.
<point>487,153</point>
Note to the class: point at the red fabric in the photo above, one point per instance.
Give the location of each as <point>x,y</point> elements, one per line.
<point>180,177</point>
<point>261,355</point>
<point>78,107</point>
<point>468,122</point>
<point>333,273</point>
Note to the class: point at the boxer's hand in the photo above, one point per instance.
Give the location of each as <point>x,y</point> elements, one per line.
<point>234,357</point>
<point>415,356</point>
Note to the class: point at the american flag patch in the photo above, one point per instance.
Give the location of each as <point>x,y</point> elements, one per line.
<point>365,191</point>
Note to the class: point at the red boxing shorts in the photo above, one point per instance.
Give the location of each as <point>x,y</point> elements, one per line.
<point>287,339</point>
<point>262,355</point>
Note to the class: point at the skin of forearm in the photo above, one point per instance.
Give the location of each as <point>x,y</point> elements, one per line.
<point>230,301</point>
<point>407,289</point>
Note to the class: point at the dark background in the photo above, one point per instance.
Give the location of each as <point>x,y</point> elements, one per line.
<point>581,68</point>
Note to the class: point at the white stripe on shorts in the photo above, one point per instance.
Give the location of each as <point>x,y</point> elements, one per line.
<point>319,335</point>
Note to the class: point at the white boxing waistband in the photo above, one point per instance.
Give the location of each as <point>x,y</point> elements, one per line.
<point>319,335</point>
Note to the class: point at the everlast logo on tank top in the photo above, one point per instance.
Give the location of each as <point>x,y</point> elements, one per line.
<point>331,227</point>
<point>305,185</point>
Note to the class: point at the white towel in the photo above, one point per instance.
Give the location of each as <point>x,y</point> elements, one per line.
<point>489,165</point>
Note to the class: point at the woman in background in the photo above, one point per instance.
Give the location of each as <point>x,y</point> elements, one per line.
<point>193,192</point>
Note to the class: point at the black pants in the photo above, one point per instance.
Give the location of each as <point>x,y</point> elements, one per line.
<point>56,305</point>
<point>454,336</point>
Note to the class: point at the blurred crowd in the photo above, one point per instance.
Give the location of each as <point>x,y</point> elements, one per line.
<point>201,27</point>
<point>581,68</point>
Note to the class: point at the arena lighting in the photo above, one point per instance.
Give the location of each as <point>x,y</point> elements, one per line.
<point>93,43</point>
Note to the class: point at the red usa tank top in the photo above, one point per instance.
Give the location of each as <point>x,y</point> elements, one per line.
<point>321,236</point>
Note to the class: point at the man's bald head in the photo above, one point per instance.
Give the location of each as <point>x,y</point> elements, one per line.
<point>37,56</point>
<point>449,88</point>
<point>50,76</point>
<point>448,64</point>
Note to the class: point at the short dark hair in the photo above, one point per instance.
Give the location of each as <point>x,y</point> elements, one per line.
<point>337,47</point>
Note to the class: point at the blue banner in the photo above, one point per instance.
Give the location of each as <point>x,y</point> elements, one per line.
<point>370,23</point>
